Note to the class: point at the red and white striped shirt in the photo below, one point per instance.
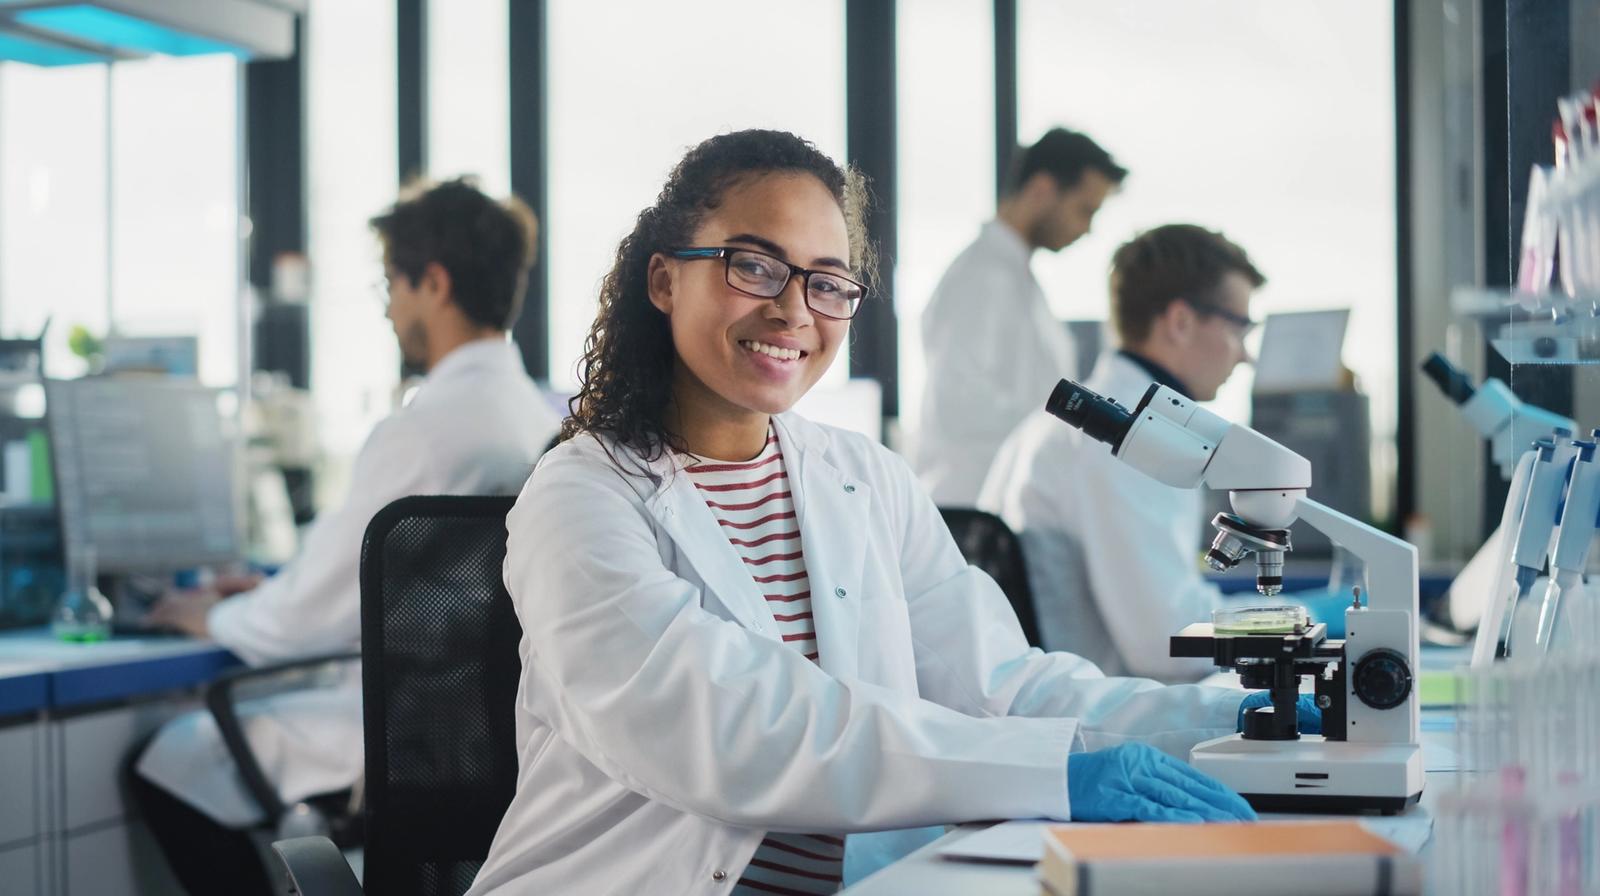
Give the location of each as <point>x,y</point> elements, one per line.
<point>753,503</point>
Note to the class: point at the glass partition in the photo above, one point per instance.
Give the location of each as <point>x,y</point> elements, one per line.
<point>626,103</point>
<point>945,59</point>
<point>54,233</point>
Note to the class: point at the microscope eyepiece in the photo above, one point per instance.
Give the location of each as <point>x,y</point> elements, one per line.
<point>1099,417</point>
<point>1450,379</point>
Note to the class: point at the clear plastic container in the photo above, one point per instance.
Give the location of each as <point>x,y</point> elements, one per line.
<point>1259,620</point>
<point>82,613</point>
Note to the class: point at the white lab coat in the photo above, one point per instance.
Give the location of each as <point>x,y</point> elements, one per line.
<point>663,727</point>
<point>476,425</point>
<point>994,351</point>
<point>1113,556</point>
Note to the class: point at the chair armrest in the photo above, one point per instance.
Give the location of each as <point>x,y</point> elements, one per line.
<point>316,867</point>
<point>219,700</point>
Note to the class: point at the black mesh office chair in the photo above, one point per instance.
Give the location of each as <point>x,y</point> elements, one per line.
<point>439,681</point>
<point>990,545</point>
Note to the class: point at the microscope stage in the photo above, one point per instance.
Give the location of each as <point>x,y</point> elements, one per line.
<point>1315,775</point>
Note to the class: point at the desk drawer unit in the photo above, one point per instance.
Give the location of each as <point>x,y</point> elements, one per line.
<point>22,870</point>
<point>21,784</point>
<point>94,751</point>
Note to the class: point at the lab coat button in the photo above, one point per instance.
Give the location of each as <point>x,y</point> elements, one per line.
<point>719,875</point>
<point>849,489</point>
<point>838,592</point>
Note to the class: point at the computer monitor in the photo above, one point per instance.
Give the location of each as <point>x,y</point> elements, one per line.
<point>144,471</point>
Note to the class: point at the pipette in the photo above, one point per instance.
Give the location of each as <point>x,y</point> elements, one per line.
<point>1537,521</point>
<point>1579,511</point>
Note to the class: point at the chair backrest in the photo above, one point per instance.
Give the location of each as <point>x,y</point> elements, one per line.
<point>990,545</point>
<point>439,681</point>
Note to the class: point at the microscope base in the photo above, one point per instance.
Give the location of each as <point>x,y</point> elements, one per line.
<point>1315,775</point>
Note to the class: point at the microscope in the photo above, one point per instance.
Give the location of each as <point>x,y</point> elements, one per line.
<point>1369,755</point>
<point>1509,423</point>
<point>1540,461</point>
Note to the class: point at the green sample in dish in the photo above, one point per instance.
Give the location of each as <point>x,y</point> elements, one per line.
<point>1259,620</point>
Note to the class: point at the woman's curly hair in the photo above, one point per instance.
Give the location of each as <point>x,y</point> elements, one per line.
<point>625,373</point>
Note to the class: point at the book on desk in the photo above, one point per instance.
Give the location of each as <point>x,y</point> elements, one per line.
<point>1308,858</point>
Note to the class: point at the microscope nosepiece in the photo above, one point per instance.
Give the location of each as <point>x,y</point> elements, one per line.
<point>1099,417</point>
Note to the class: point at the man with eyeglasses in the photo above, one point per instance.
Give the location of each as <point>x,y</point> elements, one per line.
<point>992,346</point>
<point>1113,555</point>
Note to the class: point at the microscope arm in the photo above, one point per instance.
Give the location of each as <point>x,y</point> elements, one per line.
<point>1391,563</point>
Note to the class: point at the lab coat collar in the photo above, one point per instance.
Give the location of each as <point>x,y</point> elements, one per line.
<point>474,355</point>
<point>1156,372</point>
<point>833,510</point>
<point>794,432</point>
<point>999,235</point>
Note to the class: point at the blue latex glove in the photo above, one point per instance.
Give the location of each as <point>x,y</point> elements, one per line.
<point>1307,715</point>
<point>1326,607</point>
<point>1137,782</point>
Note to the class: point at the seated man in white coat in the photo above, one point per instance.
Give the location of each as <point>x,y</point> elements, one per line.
<point>455,262</point>
<point>1113,555</point>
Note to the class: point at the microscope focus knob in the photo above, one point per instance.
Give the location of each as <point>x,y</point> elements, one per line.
<point>1382,679</point>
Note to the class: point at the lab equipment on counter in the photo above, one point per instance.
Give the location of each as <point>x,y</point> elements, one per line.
<point>146,476</point>
<point>1511,426</point>
<point>145,472</point>
<point>1369,755</point>
<point>1553,314</point>
<point>82,613</point>
<point>1509,423</point>
<point>1524,810</point>
<point>1527,537</point>
<point>1565,597</point>
<point>32,571</point>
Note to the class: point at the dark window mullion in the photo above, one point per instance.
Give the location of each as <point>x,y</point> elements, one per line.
<point>870,128</point>
<point>529,152</point>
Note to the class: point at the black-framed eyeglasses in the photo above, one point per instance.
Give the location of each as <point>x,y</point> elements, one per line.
<point>1244,324</point>
<point>764,277</point>
<point>381,290</point>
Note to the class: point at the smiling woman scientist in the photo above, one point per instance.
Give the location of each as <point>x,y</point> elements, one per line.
<point>746,635</point>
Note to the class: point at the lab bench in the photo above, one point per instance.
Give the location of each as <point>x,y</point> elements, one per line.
<point>70,717</point>
<point>926,872</point>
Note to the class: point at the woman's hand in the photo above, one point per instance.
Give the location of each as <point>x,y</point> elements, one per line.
<point>1137,782</point>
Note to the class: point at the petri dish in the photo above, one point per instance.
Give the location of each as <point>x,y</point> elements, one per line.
<point>1259,620</point>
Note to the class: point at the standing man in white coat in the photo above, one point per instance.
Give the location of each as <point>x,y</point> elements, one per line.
<point>455,262</point>
<point>993,347</point>
<point>1113,555</point>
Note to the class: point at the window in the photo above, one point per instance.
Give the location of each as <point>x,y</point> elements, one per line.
<point>351,131</point>
<point>626,102</point>
<point>469,73</point>
<point>53,223</point>
<point>175,204</point>
<point>946,159</point>
<point>1273,122</point>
